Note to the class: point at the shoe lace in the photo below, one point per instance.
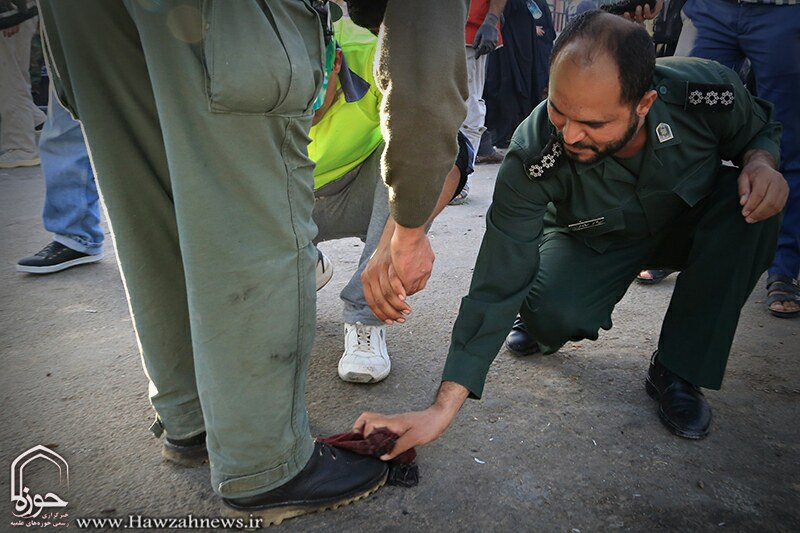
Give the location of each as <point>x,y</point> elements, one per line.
<point>50,249</point>
<point>363,337</point>
<point>327,448</point>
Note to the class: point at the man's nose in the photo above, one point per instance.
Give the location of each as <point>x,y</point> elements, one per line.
<point>572,132</point>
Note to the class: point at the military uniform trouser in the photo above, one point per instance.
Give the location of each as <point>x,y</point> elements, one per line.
<point>196,116</point>
<point>720,257</point>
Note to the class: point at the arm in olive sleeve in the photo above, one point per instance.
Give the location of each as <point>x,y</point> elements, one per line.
<point>421,71</point>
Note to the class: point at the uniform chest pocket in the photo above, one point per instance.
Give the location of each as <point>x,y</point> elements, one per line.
<point>261,57</point>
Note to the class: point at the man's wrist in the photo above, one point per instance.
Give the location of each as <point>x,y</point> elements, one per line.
<point>408,234</point>
<point>759,156</point>
<point>450,397</point>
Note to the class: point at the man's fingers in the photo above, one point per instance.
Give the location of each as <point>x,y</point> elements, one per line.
<point>755,197</point>
<point>406,441</point>
<point>744,188</point>
<point>373,299</point>
<point>774,199</point>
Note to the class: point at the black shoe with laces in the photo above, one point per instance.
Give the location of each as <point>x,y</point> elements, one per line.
<point>332,478</point>
<point>53,258</point>
<point>519,341</point>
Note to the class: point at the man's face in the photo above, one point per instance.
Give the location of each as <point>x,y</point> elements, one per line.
<point>584,106</point>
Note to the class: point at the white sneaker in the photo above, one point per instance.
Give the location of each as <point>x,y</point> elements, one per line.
<point>365,358</point>
<point>18,158</point>
<point>324,269</point>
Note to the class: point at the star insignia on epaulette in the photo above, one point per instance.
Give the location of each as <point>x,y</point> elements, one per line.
<point>726,98</point>
<point>547,159</point>
<point>712,97</point>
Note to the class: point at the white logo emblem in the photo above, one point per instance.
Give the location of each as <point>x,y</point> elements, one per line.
<point>664,132</point>
<point>25,504</point>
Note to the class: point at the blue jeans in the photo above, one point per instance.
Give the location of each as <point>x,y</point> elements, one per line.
<point>768,35</point>
<point>71,203</point>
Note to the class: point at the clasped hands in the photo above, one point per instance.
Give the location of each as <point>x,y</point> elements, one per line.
<point>400,267</point>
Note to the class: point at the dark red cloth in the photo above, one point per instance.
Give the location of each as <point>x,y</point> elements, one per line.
<point>402,469</point>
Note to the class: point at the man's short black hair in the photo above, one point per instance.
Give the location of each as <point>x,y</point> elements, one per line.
<point>366,13</point>
<point>628,44</point>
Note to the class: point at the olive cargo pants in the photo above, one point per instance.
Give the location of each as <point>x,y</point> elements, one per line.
<point>196,115</point>
<point>720,257</point>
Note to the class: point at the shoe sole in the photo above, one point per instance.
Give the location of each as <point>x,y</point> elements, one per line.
<point>327,274</point>
<point>20,164</point>
<point>357,377</point>
<point>61,266</point>
<point>653,393</point>
<point>185,456</point>
<point>274,516</point>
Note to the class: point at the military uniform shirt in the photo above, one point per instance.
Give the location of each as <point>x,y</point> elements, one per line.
<point>701,116</point>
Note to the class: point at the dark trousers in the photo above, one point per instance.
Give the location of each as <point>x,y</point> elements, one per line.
<point>720,257</point>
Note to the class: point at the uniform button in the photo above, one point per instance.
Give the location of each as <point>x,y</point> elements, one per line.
<point>662,90</point>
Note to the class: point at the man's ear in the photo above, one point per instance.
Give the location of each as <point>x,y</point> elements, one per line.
<point>643,107</point>
<point>337,62</point>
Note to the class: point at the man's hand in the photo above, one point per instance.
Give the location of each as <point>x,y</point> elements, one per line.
<point>383,289</point>
<point>412,257</point>
<point>762,189</point>
<point>642,14</point>
<point>539,31</point>
<point>487,36</point>
<point>418,427</point>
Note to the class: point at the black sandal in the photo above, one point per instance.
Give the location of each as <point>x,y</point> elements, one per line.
<point>656,276</point>
<point>782,288</point>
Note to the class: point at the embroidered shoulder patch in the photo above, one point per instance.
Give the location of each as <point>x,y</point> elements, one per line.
<point>545,161</point>
<point>709,97</point>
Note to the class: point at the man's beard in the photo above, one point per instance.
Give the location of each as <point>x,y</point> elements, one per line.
<point>614,147</point>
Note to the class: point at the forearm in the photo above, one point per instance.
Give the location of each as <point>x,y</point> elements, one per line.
<point>424,90</point>
<point>496,7</point>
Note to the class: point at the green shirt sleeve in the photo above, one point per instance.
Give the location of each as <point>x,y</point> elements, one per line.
<point>421,71</point>
<point>507,263</point>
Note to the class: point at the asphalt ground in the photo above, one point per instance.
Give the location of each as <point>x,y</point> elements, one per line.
<point>569,442</point>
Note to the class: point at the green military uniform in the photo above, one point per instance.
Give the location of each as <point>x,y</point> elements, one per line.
<point>673,205</point>
<point>196,114</point>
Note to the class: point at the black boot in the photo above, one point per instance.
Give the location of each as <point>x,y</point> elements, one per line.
<point>519,341</point>
<point>332,477</point>
<point>682,406</point>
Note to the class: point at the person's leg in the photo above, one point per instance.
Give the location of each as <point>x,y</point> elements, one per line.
<point>359,209</point>
<point>105,81</point>
<point>577,288</point>
<point>220,230</point>
<point>777,73</point>
<point>71,203</point>
<point>723,258</point>
<point>473,126</point>
<point>16,118</point>
<point>711,32</point>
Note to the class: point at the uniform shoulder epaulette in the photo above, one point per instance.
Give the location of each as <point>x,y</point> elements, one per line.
<point>713,97</point>
<point>540,165</point>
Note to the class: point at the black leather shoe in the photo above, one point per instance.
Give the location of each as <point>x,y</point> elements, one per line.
<point>519,341</point>
<point>682,406</point>
<point>189,452</point>
<point>332,478</point>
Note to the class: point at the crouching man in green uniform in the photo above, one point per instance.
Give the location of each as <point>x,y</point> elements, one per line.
<point>629,151</point>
